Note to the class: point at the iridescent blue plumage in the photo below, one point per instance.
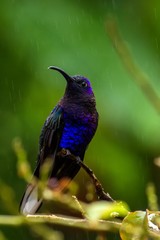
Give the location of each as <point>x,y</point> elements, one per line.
<point>71,125</point>
<point>77,134</point>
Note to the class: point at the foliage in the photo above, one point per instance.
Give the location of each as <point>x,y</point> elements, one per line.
<point>99,216</point>
<point>76,36</point>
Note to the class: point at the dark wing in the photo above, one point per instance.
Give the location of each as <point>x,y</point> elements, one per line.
<point>50,137</point>
<point>49,141</point>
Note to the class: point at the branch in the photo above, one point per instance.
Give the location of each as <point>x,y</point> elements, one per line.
<point>102,195</point>
<point>83,224</point>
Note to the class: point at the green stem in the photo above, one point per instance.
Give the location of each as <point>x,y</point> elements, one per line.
<point>140,78</point>
<point>97,226</point>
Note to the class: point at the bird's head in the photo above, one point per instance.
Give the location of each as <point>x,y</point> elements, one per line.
<point>76,85</point>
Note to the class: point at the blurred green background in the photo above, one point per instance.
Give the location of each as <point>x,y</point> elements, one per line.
<point>72,35</point>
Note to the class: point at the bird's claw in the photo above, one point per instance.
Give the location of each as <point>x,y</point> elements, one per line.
<point>64,152</point>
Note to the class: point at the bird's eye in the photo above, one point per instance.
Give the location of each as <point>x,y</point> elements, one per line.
<point>84,84</point>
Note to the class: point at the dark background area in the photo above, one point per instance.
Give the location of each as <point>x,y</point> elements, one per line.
<point>72,35</point>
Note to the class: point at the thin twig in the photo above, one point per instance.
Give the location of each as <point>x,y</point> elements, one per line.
<point>102,195</point>
<point>79,207</point>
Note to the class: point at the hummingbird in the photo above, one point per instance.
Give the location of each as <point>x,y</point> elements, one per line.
<point>71,125</point>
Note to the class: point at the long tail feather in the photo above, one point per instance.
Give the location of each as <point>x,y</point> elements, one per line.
<point>30,202</point>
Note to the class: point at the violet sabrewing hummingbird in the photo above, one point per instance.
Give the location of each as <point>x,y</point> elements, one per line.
<point>71,125</point>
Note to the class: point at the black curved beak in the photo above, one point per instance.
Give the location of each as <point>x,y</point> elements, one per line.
<point>65,75</point>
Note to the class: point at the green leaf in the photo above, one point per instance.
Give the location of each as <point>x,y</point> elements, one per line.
<point>135,226</point>
<point>106,210</point>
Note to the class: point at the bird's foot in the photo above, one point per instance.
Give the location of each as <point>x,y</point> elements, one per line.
<point>66,153</point>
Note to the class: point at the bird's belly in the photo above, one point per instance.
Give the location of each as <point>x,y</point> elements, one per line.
<point>75,138</point>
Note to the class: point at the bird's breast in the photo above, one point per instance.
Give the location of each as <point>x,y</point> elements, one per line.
<point>77,132</point>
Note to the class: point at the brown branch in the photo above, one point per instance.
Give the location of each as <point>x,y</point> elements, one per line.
<point>102,195</point>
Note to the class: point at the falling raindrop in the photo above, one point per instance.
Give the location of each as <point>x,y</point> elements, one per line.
<point>113,4</point>
<point>157,45</point>
<point>155,13</point>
